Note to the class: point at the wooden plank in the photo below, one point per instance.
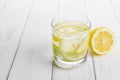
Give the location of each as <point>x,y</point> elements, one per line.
<point>116,8</point>
<point>13,14</point>
<point>100,12</point>
<point>73,7</point>
<point>85,71</point>
<point>34,57</point>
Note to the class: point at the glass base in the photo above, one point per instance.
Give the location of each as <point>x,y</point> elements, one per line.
<point>69,65</point>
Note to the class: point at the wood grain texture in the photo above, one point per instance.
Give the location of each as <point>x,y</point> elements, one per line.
<point>34,57</point>
<point>13,14</point>
<point>107,67</point>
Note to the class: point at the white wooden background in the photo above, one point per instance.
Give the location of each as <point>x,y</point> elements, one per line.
<point>25,39</point>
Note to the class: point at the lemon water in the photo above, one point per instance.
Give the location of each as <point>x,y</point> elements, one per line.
<point>70,40</point>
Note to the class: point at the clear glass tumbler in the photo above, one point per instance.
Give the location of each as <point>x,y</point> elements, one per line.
<point>70,38</point>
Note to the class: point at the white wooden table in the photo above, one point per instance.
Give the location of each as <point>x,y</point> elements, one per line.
<point>25,40</point>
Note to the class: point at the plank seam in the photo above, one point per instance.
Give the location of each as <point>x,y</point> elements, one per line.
<point>52,70</point>
<point>94,68</point>
<point>91,55</point>
<point>20,40</point>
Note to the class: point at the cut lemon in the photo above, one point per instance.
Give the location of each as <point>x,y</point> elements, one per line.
<point>102,40</point>
<point>73,50</point>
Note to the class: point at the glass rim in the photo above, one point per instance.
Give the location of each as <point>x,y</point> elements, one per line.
<point>57,17</point>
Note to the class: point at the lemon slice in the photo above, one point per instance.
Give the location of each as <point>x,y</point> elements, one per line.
<point>73,50</point>
<point>56,44</point>
<point>102,40</point>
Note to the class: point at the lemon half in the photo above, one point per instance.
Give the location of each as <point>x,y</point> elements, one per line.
<point>102,40</point>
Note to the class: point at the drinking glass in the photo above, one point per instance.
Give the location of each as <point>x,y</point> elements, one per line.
<point>70,39</point>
